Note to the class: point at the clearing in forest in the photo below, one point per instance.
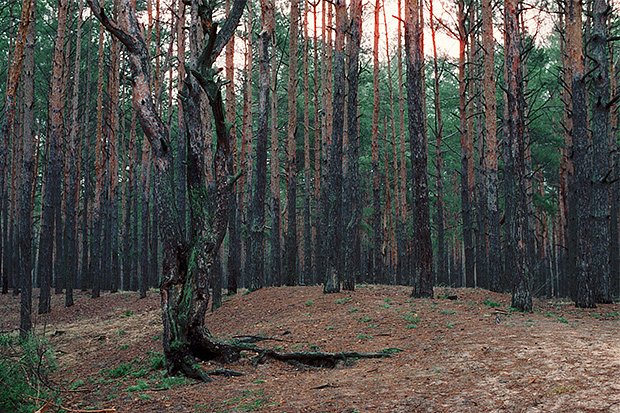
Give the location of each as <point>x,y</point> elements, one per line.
<point>472,354</point>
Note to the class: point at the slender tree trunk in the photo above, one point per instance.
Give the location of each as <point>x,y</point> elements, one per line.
<point>352,208</point>
<point>74,166</point>
<point>442,276</point>
<point>491,151</point>
<point>306,272</point>
<point>423,248</point>
<point>27,173</point>
<point>145,221</point>
<point>234,219</point>
<point>467,183</point>
<point>51,194</point>
<point>514,164</point>
<point>377,260</point>
<point>96,247</point>
<point>257,208</point>
<point>291,253</point>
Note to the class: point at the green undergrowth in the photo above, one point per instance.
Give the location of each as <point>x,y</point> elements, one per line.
<point>25,365</point>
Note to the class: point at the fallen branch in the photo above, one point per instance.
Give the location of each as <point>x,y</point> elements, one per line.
<point>254,339</point>
<point>316,359</point>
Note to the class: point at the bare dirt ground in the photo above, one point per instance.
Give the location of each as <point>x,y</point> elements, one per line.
<point>466,355</point>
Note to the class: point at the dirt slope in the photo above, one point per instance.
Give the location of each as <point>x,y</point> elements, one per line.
<point>464,355</point>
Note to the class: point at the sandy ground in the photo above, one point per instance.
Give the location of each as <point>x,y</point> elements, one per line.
<point>466,355</point>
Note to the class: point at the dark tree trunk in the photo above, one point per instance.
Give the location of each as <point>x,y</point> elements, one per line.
<point>257,206</point>
<point>27,177</point>
<point>352,208</point>
<point>601,162</point>
<point>423,248</point>
<point>52,187</point>
<point>585,283</point>
<point>376,269</point>
<point>184,291</point>
<point>74,169</point>
<point>333,217</point>
<point>290,247</point>
<point>514,164</point>
<point>442,272</point>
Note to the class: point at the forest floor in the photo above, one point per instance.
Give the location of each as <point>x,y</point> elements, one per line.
<point>472,354</point>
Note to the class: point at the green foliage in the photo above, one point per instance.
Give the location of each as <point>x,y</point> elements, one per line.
<point>392,350</point>
<point>24,367</point>
<point>448,312</point>
<point>365,319</point>
<point>490,303</point>
<point>412,318</point>
<point>353,310</point>
<point>128,313</point>
<point>157,360</point>
<point>119,371</point>
<point>140,386</point>
<point>309,303</point>
<point>363,336</point>
<point>343,300</point>
<point>169,382</point>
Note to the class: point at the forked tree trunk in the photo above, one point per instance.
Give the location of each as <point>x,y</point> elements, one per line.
<point>184,291</point>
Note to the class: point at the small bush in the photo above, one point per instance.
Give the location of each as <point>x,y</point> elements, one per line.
<point>119,371</point>
<point>24,368</point>
<point>490,303</point>
<point>157,361</point>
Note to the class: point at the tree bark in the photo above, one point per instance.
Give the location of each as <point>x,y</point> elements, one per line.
<point>291,251</point>
<point>333,207</point>
<point>257,207</point>
<point>423,248</point>
<point>352,208</point>
<point>514,164</point>
<point>53,176</point>
<point>601,162</point>
<point>585,283</point>
<point>27,173</point>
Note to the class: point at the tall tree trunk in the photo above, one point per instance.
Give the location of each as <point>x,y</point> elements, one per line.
<point>234,219</point>
<point>333,206</point>
<point>184,292</point>
<point>352,208</point>
<point>514,164</point>
<point>96,247</point>
<point>466,135</point>
<point>491,151</point>
<point>51,194</point>
<point>257,208</point>
<point>306,272</point>
<point>423,248</point>
<point>290,255</point>
<point>74,166</point>
<point>601,162</point>
<point>27,171</point>
<point>377,259</point>
<point>442,276</point>
<point>585,283</point>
